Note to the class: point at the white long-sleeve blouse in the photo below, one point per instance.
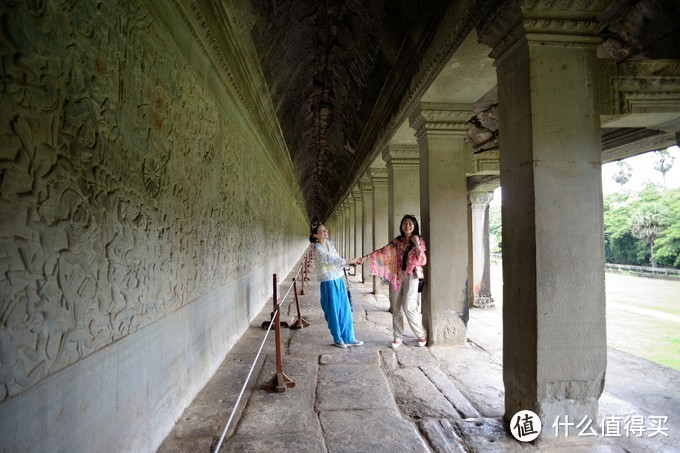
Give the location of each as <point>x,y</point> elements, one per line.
<point>328,262</point>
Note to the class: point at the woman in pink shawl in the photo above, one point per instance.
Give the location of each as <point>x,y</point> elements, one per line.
<point>400,262</point>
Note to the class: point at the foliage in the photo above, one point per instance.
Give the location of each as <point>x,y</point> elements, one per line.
<point>627,215</point>
<point>623,174</point>
<point>495,227</point>
<point>668,244</point>
<point>646,224</point>
<point>663,163</point>
<point>621,246</point>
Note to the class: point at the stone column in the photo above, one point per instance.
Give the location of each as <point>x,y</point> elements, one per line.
<point>367,231</point>
<point>334,228</point>
<point>358,224</point>
<point>481,280</point>
<point>403,184</point>
<point>403,189</point>
<point>330,225</point>
<point>340,244</point>
<point>346,228</point>
<point>351,227</point>
<point>441,138</point>
<point>554,341</point>
<point>380,216</point>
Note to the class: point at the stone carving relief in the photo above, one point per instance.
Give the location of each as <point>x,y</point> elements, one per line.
<point>122,184</point>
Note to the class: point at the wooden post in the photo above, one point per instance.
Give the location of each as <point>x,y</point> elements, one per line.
<point>279,382</point>
<point>300,322</point>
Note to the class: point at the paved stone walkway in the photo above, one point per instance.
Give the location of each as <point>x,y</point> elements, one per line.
<point>371,398</point>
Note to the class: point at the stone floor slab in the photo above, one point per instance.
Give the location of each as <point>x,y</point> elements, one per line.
<point>353,358</point>
<point>442,436</point>
<point>289,442</point>
<point>464,407</point>
<point>370,431</point>
<point>417,397</point>
<point>273,413</point>
<point>487,435</point>
<point>350,387</point>
<point>480,379</point>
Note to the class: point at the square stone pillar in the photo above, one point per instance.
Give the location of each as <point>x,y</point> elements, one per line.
<point>358,225</point>
<point>332,226</point>
<point>346,228</point>
<point>380,215</point>
<point>340,244</point>
<point>554,341</point>
<point>403,189</point>
<point>443,203</point>
<point>403,184</point>
<point>367,230</point>
<point>351,228</point>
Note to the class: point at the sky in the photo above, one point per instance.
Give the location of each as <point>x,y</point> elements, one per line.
<point>642,171</point>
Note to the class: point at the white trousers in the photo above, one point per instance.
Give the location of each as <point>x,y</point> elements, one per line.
<point>407,303</point>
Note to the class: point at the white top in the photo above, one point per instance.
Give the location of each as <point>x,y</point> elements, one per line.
<point>328,262</point>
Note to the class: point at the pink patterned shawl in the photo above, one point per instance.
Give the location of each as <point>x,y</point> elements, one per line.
<point>386,262</point>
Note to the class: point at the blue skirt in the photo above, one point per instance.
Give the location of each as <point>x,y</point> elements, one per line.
<point>337,311</point>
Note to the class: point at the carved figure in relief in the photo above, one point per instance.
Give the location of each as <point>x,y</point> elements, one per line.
<point>102,241</point>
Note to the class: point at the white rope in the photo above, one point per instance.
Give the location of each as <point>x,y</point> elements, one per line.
<point>245,384</point>
<point>238,400</point>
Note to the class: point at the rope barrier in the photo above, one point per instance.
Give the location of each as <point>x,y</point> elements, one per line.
<point>279,382</point>
<point>243,389</point>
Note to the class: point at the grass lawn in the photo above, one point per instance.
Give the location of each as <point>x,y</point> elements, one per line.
<point>649,336</point>
<point>656,340</point>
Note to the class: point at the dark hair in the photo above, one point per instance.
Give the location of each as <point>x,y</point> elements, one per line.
<point>314,230</point>
<point>416,228</point>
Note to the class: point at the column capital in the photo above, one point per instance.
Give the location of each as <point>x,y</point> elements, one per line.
<point>378,176</point>
<point>441,119</point>
<point>480,200</point>
<point>365,184</point>
<point>401,156</point>
<point>570,22</point>
<point>356,194</point>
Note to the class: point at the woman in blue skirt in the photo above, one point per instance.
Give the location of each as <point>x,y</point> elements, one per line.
<point>334,300</point>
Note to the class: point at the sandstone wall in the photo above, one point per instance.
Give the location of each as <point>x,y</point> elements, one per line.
<point>141,217</point>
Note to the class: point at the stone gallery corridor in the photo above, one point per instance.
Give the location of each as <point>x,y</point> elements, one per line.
<point>374,398</point>
<point>161,160</point>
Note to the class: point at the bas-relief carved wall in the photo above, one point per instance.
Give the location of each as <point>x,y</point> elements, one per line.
<point>125,192</point>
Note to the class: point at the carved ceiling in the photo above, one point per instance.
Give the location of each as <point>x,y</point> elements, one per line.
<point>338,71</point>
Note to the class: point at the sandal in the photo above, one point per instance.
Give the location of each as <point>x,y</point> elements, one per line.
<point>422,342</point>
<point>396,343</point>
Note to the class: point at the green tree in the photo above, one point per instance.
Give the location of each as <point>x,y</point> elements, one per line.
<point>621,247</point>
<point>495,227</point>
<point>668,244</point>
<point>646,224</point>
<point>663,163</point>
<point>623,173</point>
